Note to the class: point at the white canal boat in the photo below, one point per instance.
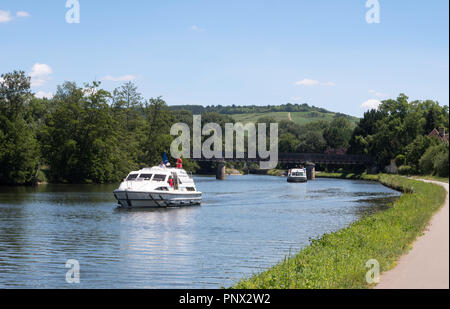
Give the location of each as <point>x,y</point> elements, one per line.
<point>158,187</point>
<point>297,175</point>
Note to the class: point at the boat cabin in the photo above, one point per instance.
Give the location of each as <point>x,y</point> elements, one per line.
<point>161,179</point>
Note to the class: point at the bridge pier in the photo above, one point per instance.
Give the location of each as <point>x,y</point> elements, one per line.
<point>372,170</point>
<point>311,171</point>
<point>221,171</point>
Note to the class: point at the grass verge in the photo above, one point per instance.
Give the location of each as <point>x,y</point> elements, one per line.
<point>429,177</point>
<point>338,260</point>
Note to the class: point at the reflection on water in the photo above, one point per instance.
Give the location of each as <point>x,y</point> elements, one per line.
<point>245,225</point>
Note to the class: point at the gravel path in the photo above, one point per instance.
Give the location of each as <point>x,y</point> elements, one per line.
<point>426,266</point>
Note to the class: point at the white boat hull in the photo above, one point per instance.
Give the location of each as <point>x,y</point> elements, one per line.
<point>297,179</point>
<point>132,199</point>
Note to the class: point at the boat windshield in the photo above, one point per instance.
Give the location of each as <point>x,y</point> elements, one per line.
<point>159,178</point>
<point>298,174</point>
<point>132,177</point>
<point>145,177</point>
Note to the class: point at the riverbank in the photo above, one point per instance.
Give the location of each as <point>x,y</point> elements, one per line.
<point>338,260</point>
<point>426,266</point>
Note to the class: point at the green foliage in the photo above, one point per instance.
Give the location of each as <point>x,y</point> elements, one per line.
<point>435,161</point>
<point>157,138</point>
<point>288,142</point>
<point>19,150</point>
<point>338,260</point>
<point>81,137</point>
<point>19,155</point>
<point>300,114</point>
<point>250,109</point>
<point>417,149</point>
<point>339,133</point>
<point>86,134</point>
<point>398,127</point>
<point>441,167</point>
<point>312,142</point>
<point>406,170</point>
<point>400,160</point>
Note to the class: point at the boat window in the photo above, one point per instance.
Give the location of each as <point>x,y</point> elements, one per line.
<point>190,189</point>
<point>162,189</point>
<point>145,177</point>
<point>298,174</point>
<point>159,178</point>
<point>132,177</point>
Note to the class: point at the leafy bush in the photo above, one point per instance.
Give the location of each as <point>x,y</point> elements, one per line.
<point>405,170</point>
<point>400,160</point>
<point>441,165</point>
<point>417,149</point>
<point>435,160</point>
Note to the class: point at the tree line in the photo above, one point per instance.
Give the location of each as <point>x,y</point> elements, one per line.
<point>400,130</point>
<point>250,109</point>
<point>85,134</point>
<point>81,135</point>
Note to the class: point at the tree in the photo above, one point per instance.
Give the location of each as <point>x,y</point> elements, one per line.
<point>19,150</point>
<point>312,142</point>
<point>126,101</point>
<point>81,137</point>
<point>435,160</point>
<point>14,94</point>
<point>288,143</point>
<point>339,133</point>
<point>157,137</point>
<point>417,149</point>
<point>394,129</point>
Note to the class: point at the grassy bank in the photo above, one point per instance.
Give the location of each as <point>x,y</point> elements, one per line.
<point>374,177</point>
<point>435,178</point>
<point>348,176</point>
<point>338,260</point>
<point>276,172</point>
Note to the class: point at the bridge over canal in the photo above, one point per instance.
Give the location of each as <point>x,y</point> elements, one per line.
<point>307,159</point>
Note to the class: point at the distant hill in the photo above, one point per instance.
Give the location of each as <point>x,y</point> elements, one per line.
<point>298,113</point>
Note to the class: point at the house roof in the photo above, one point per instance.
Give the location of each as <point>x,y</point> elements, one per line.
<point>442,137</point>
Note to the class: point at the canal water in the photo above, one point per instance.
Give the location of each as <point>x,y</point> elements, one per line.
<point>245,225</point>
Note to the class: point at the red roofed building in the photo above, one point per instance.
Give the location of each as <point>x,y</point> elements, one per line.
<point>441,135</point>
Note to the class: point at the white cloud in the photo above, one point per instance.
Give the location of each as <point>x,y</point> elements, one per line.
<point>296,99</point>
<point>371,104</point>
<point>308,82</point>
<point>40,69</point>
<point>5,16</point>
<point>197,28</point>
<point>39,74</point>
<point>124,78</point>
<point>23,14</point>
<point>377,94</point>
<point>43,94</point>
<point>311,82</point>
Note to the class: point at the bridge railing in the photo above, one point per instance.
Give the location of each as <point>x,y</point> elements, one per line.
<point>297,158</point>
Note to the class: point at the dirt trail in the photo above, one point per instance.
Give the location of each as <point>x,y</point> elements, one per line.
<point>426,266</point>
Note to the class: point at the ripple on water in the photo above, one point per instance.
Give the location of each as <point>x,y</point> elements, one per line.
<point>245,225</point>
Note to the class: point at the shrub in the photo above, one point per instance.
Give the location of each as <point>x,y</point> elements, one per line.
<point>435,160</point>
<point>417,149</point>
<point>405,170</point>
<point>400,160</point>
<point>441,165</point>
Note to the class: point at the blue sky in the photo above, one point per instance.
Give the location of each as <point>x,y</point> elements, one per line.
<point>235,52</point>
